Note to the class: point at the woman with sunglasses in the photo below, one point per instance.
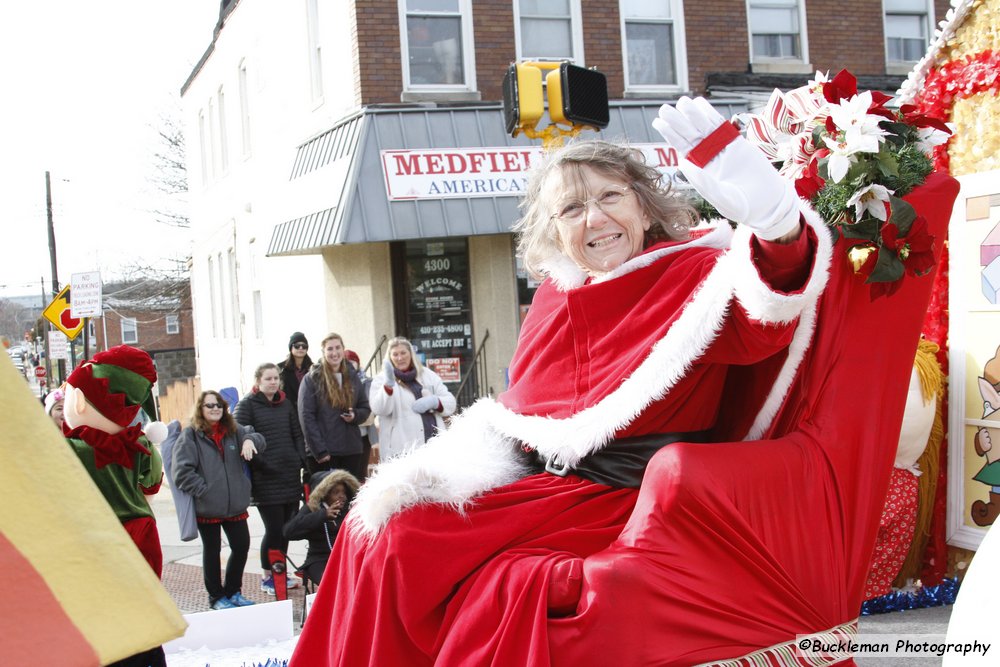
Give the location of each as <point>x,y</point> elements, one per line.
<point>470,549</point>
<point>209,463</point>
<point>295,366</point>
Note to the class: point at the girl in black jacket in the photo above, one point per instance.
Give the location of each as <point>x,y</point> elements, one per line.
<point>276,474</point>
<point>332,404</point>
<point>320,518</point>
<point>295,366</point>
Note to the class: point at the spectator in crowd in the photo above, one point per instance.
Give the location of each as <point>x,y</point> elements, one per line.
<point>276,473</point>
<point>295,366</point>
<point>332,404</point>
<point>209,464</point>
<point>409,400</point>
<point>54,407</point>
<point>320,518</point>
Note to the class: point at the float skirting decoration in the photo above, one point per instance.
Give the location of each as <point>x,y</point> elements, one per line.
<point>922,598</point>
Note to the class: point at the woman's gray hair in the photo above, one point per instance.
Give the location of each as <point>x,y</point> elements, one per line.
<point>538,237</point>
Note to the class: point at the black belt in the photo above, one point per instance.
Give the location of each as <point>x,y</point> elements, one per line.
<point>619,464</point>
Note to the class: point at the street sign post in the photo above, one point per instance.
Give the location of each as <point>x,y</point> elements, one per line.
<point>58,312</point>
<point>86,295</point>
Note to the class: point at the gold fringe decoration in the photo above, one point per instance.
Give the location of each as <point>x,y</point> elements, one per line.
<point>932,382</point>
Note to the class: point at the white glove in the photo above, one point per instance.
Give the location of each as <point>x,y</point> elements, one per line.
<point>390,373</point>
<point>739,182</point>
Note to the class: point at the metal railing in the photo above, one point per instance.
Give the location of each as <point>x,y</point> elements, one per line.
<point>376,359</point>
<point>476,380</point>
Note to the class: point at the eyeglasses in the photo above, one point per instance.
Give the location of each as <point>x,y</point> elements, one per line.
<point>212,406</point>
<point>300,346</point>
<point>574,211</point>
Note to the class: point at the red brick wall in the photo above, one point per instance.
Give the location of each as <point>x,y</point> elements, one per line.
<point>493,31</point>
<point>602,42</point>
<point>857,44</point>
<point>152,329</point>
<point>717,39</point>
<point>379,73</point>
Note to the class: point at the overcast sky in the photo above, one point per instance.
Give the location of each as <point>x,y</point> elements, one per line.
<point>84,84</point>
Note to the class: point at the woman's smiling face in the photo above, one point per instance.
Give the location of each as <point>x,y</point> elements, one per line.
<point>605,235</point>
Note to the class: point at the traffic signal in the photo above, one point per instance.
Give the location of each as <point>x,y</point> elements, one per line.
<point>578,96</point>
<point>522,97</point>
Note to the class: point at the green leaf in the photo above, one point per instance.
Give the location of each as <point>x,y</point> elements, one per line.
<point>903,215</point>
<point>888,267</point>
<point>887,164</point>
<point>867,229</point>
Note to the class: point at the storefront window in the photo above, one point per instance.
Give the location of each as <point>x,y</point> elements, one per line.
<point>437,312</point>
<point>526,286</point>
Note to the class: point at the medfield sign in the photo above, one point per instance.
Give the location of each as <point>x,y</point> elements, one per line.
<point>479,172</point>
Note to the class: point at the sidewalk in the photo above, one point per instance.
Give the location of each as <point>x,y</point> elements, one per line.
<point>182,561</point>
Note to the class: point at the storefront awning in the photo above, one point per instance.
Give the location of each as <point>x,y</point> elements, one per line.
<point>394,173</point>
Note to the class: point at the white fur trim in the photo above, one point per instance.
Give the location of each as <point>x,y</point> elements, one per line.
<point>759,300</point>
<point>452,468</point>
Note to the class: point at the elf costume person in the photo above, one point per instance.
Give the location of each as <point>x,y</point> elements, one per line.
<point>103,397</point>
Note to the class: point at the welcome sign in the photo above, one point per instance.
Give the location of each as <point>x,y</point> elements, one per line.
<point>479,172</point>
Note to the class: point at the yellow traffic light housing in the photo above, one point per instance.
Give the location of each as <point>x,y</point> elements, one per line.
<point>577,97</point>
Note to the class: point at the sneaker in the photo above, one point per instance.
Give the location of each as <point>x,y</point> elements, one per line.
<point>223,603</point>
<point>267,585</point>
<point>237,600</point>
<point>293,581</point>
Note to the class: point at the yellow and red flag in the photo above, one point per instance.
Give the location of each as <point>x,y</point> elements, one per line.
<point>76,590</point>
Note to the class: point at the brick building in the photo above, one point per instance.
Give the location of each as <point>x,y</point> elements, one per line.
<point>155,317</point>
<point>318,132</point>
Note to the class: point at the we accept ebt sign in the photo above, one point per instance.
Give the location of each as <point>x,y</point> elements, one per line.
<point>479,172</point>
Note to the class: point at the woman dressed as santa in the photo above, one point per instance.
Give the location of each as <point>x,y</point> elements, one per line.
<point>512,537</point>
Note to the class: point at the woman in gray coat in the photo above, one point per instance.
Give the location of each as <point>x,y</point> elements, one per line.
<point>209,464</point>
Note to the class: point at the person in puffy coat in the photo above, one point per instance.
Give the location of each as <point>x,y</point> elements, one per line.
<point>208,464</point>
<point>320,518</point>
<point>410,401</point>
<point>276,473</point>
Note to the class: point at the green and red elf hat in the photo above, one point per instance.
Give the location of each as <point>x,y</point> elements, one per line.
<point>117,383</point>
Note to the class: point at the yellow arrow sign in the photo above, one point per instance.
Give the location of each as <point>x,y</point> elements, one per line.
<point>58,312</point>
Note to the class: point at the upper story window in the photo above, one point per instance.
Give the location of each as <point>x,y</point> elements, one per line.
<point>203,147</point>
<point>906,30</point>
<point>776,30</point>
<point>130,331</point>
<point>437,41</point>
<point>315,52</point>
<point>548,30</point>
<point>223,136</point>
<point>173,324</point>
<point>653,35</point>
<point>244,107</point>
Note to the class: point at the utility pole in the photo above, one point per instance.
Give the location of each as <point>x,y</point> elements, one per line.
<point>52,260</point>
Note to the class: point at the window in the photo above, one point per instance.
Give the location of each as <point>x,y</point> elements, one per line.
<point>315,52</point>
<point>548,29</point>
<point>223,138</point>
<point>213,161</point>
<point>775,30</point>
<point>213,297</point>
<point>653,36</point>
<point>258,316</point>
<point>906,30</point>
<point>173,324</point>
<point>244,107</point>
<point>437,42</point>
<point>203,145</point>
<point>234,309</point>
<point>130,331</point>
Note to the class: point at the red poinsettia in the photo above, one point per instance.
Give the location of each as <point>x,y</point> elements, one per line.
<point>915,250</point>
<point>810,182</point>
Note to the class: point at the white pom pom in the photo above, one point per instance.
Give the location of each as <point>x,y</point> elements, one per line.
<point>156,432</point>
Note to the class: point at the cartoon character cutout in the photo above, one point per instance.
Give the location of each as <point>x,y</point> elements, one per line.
<point>985,513</point>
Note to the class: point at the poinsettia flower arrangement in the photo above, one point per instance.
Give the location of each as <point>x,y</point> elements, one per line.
<point>854,159</point>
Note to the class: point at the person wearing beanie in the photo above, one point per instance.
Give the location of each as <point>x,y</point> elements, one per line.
<point>102,425</point>
<point>295,366</point>
<point>54,407</point>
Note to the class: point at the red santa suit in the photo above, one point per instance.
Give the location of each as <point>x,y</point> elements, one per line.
<point>726,550</point>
